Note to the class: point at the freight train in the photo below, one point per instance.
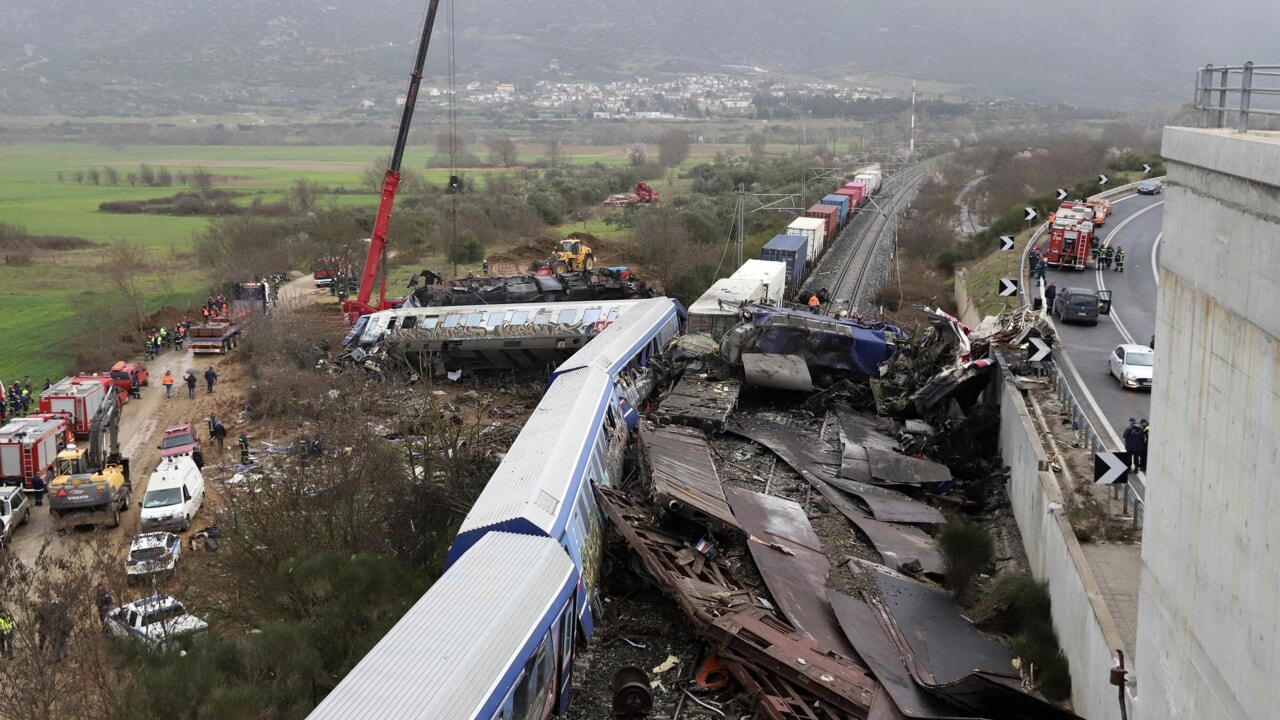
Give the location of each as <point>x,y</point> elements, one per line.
<point>496,635</point>
<point>806,238</point>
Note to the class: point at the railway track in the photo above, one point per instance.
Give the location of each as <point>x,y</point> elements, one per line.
<point>851,288</point>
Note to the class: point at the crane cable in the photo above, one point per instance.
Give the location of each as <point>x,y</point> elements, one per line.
<point>453,128</point>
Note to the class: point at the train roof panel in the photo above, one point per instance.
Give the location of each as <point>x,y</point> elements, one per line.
<point>625,337</point>
<point>547,461</point>
<point>446,655</point>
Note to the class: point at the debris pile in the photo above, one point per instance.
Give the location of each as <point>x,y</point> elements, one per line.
<point>613,283</point>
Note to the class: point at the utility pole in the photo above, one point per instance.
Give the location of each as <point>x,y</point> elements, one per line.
<point>740,217</point>
<point>911,149</point>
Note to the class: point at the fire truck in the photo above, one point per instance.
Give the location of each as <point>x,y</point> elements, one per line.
<point>1070,237</point>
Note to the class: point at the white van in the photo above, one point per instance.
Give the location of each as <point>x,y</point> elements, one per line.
<point>174,495</point>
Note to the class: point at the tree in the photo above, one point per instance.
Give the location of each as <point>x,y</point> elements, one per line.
<point>124,266</point>
<point>304,194</point>
<point>502,151</point>
<point>163,177</point>
<point>756,143</point>
<point>113,176</point>
<point>201,180</point>
<point>448,142</point>
<point>673,147</point>
<point>555,151</point>
<point>147,175</point>
<point>94,176</point>
<point>465,250</point>
<point>663,245</point>
<point>637,153</point>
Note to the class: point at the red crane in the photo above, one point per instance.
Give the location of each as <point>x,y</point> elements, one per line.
<point>352,310</point>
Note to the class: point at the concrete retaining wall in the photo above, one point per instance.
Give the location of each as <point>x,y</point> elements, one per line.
<point>1086,631</point>
<point>968,312</point>
<point>1208,631</point>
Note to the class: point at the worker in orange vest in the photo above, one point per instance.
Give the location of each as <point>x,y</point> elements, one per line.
<point>167,381</point>
<point>814,302</point>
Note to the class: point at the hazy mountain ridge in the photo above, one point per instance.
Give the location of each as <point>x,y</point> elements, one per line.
<point>148,56</point>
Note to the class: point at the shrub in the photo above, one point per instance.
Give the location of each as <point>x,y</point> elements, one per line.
<point>967,549</point>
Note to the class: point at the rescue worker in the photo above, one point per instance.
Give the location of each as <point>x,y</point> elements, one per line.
<point>164,337</point>
<point>1108,256</point>
<point>244,447</point>
<point>167,381</point>
<point>6,632</point>
<point>814,302</point>
<point>219,434</point>
<point>38,485</point>
<point>210,377</point>
<point>1050,293</point>
<point>191,385</point>
<point>484,267</point>
<point>1119,259</point>
<point>104,601</point>
<point>26,401</point>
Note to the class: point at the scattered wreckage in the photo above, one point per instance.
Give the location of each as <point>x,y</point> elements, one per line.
<point>611,283</point>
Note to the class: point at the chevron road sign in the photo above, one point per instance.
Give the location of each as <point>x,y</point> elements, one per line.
<point>1110,468</point>
<point>1062,194</point>
<point>1102,179</point>
<point>1146,168</point>
<point>1031,214</point>
<point>1008,287</point>
<point>1041,350</point>
<point>1006,242</point>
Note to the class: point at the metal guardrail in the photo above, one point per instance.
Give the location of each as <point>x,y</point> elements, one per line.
<point>1228,80</point>
<point>1084,430</point>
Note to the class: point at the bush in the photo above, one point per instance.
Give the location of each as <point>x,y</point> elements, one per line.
<point>466,249</point>
<point>967,549</point>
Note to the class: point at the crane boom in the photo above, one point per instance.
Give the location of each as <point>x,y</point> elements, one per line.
<point>374,261</point>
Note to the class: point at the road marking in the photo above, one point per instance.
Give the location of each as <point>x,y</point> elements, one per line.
<point>1065,357</point>
<point>1155,272</point>
<point>1098,276</point>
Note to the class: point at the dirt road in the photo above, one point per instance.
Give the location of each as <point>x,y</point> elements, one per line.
<point>143,422</point>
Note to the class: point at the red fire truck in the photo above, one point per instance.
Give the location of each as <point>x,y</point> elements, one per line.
<point>1070,237</point>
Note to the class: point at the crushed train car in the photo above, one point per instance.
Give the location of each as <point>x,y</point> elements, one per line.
<point>612,283</point>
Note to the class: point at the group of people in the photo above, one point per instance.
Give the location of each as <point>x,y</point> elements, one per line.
<point>1136,439</point>
<point>816,300</point>
<point>210,377</point>
<point>16,399</point>
<point>218,432</point>
<point>1104,258</point>
<point>172,338</point>
<point>215,306</point>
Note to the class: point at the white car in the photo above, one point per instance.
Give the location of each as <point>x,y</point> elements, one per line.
<point>1132,365</point>
<point>158,621</point>
<point>151,554</point>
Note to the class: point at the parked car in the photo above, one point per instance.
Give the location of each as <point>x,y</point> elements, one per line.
<point>1132,365</point>
<point>151,554</point>
<point>175,493</point>
<point>159,621</point>
<point>1150,187</point>
<point>178,440</point>
<point>620,200</point>
<point>15,510</point>
<point>1081,305</point>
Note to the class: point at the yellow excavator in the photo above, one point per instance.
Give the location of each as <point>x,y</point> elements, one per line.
<point>92,486</point>
<point>571,255</point>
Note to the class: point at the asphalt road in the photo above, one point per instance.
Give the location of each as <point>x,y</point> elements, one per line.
<point>1134,225</point>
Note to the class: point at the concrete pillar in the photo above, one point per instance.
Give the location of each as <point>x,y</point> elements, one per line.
<point>1209,603</point>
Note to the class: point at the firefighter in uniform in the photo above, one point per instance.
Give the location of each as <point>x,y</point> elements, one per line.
<point>1119,259</point>
<point>244,447</point>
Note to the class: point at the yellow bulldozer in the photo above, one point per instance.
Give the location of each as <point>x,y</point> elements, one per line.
<point>571,255</point>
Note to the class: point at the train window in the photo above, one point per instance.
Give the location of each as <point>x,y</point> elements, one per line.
<point>566,317</point>
<point>452,319</point>
<point>430,323</point>
<point>391,325</point>
<point>473,319</point>
<point>613,314</point>
<point>569,623</point>
<point>543,317</point>
<point>591,315</point>
<point>519,317</point>
<point>410,322</point>
<point>495,319</point>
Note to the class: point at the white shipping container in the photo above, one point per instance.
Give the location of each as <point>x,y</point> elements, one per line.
<point>813,228</point>
<point>707,316</point>
<point>770,272</point>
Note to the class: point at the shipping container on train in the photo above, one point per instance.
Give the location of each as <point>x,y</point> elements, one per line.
<point>792,250</point>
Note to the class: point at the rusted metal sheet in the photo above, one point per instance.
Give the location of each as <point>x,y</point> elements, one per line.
<point>781,372</point>
<point>862,626</point>
<point>684,476</point>
<point>800,450</point>
<point>901,546</point>
<point>756,636</point>
<point>700,403</point>
<point>893,467</point>
<point>950,658</point>
<point>890,505</point>
<point>797,580</point>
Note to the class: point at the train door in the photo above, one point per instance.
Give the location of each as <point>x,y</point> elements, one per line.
<point>566,644</point>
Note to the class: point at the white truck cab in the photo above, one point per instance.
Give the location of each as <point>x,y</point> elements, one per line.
<point>175,493</point>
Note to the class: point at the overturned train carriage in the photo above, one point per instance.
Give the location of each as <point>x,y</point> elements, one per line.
<point>495,337</point>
